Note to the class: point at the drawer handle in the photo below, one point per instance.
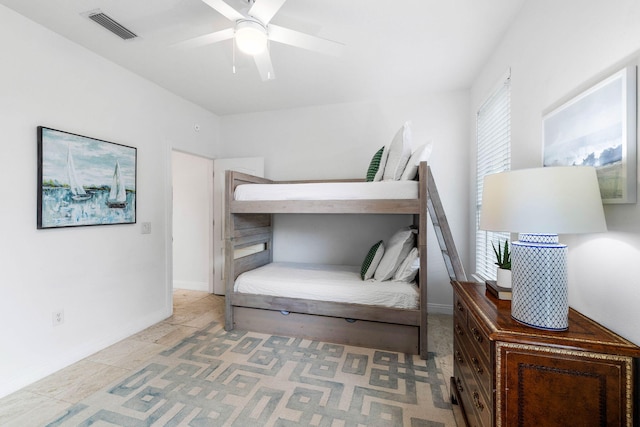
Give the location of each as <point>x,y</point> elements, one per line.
<point>476,401</point>
<point>476,363</point>
<point>460,307</point>
<point>459,330</point>
<point>476,334</point>
<point>459,385</point>
<point>459,357</point>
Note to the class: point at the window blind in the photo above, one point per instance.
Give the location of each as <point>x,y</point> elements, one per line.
<point>493,135</point>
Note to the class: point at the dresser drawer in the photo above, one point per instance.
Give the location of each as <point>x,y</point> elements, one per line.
<point>479,338</point>
<point>480,369</point>
<point>481,406</point>
<point>460,315</point>
<point>465,401</point>
<point>460,331</point>
<point>473,368</point>
<point>475,406</point>
<point>460,310</point>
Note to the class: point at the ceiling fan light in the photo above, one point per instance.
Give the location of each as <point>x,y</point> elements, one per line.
<point>251,37</point>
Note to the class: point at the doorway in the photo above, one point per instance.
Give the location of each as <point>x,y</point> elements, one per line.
<point>192,236</point>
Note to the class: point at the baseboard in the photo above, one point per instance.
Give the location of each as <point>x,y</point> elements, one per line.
<point>191,286</point>
<point>54,364</point>
<point>440,308</point>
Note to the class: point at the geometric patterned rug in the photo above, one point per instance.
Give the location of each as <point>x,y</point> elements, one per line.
<point>239,378</point>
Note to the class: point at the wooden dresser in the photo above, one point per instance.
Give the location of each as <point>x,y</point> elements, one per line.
<point>508,374</point>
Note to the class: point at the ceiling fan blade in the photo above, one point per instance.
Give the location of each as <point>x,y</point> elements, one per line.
<point>264,10</point>
<point>218,36</point>
<point>224,9</point>
<point>265,67</point>
<point>305,41</point>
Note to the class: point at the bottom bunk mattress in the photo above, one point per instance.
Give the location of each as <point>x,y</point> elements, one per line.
<point>321,282</point>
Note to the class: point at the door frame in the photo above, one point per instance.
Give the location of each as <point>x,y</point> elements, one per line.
<point>169,223</point>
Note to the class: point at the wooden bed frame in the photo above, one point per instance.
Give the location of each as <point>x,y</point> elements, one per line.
<point>249,223</point>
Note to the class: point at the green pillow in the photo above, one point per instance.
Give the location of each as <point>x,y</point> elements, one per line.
<point>374,166</point>
<point>371,261</point>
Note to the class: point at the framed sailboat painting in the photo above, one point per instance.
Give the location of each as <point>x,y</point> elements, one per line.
<point>84,181</point>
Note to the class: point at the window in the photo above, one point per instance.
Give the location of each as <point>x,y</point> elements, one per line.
<point>493,127</point>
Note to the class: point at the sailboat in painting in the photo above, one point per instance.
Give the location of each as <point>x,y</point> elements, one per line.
<point>77,190</point>
<point>118,194</point>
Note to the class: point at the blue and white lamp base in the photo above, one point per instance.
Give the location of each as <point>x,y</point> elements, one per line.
<point>540,285</point>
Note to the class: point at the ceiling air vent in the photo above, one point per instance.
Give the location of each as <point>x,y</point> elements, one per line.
<point>111,25</point>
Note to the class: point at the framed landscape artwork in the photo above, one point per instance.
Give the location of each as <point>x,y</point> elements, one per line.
<point>598,128</point>
<point>84,181</point>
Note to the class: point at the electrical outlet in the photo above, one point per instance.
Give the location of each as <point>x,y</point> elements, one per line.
<point>58,317</point>
<point>146,228</point>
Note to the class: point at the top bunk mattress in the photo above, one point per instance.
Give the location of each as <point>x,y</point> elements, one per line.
<point>335,283</point>
<point>381,190</point>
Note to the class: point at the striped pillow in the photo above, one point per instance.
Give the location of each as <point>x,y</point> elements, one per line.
<point>371,261</point>
<point>374,166</point>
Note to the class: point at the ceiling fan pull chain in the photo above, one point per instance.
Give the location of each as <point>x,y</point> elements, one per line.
<point>233,55</point>
<point>269,50</point>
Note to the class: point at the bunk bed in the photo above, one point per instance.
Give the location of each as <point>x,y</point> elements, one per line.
<point>248,224</point>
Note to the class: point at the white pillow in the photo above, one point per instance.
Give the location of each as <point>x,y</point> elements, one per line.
<point>399,153</point>
<point>409,267</point>
<point>371,261</point>
<point>422,154</point>
<point>395,252</point>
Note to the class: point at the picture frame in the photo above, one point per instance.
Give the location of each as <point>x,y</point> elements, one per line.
<point>598,128</point>
<point>84,181</point>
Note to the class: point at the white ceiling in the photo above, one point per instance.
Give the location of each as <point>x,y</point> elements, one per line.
<point>392,47</point>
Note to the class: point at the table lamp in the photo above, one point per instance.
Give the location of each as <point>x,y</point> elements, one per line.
<point>539,204</point>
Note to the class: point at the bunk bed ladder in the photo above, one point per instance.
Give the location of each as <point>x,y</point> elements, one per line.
<point>443,231</point>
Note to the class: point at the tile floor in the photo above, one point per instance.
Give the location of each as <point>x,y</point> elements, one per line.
<point>38,403</point>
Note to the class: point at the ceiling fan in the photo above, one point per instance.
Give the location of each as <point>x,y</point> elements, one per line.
<point>252,31</point>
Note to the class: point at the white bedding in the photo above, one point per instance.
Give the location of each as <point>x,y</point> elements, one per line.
<point>337,283</point>
<point>329,191</point>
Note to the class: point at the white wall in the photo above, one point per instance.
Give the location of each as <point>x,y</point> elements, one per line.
<point>555,49</point>
<point>192,213</point>
<point>111,281</point>
<point>338,141</point>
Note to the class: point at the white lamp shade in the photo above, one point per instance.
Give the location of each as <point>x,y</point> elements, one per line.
<point>560,200</point>
<point>251,37</point>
